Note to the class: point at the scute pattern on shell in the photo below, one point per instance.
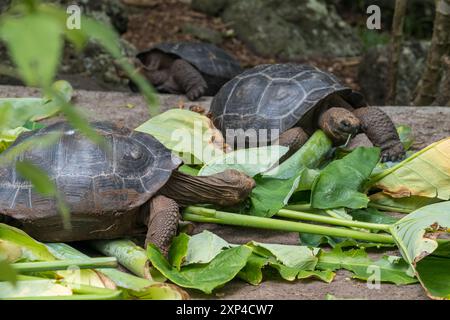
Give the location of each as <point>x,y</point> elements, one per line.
<point>93,180</point>
<point>273,96</point>
<point>206,57</point>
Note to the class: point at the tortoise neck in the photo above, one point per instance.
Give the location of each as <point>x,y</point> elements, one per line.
<point>227,188</point>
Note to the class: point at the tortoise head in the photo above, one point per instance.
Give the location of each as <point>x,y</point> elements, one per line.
<point>339,124</point>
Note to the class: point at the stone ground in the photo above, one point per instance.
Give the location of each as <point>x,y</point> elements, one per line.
<point>428,124</point>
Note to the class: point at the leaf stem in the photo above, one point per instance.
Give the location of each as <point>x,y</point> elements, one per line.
<point>200,214</point>
<point>388,208</point>
<point>299,207</point>
<point>290,214</point>
<point>91,263</point>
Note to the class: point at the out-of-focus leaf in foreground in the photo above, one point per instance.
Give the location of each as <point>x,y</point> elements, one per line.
<point>16,245</point>
<point>37,63</point>
<point>42,184</point>
<point>424,174</point>
<point>132,287</point>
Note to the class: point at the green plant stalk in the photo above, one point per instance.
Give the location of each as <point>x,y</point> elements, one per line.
<point>110,296</point>
<point>121,279</point>
<point>388,208</point>
<point>299,207</point>
<point>91,263</point>
<point>290,214</point>
<point>127,253</point>
<point>200,214</point>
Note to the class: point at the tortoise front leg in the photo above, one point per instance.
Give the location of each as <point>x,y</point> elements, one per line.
<point>380,129</point>
<point>293,138</point>
<point>162,223</point>
<point>189,79</point>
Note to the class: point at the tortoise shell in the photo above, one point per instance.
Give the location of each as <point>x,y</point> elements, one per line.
<point>216,65</point>
<point>94,180</point>
<point>276,96</point>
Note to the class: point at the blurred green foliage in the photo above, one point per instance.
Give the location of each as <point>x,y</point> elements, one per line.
<point>34,33</point>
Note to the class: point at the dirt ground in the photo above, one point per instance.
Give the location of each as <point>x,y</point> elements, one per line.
<point>428,124</point>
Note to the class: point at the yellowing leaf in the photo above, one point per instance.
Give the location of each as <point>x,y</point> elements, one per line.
<point>425,174</point>
<point>415,235</point>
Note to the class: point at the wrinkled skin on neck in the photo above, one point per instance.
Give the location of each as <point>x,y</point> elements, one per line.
<point>224,189</point>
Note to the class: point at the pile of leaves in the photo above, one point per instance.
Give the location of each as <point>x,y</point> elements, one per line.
<point>343,192</point>
<point>327,185</point>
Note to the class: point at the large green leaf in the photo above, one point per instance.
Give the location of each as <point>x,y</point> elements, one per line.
<point>299,257</point>
<point>433,273</point>
<point>424,174</point>
<point>187,133</point>
<point>204,247</point>
<point>275,187</point>
<point>25,36</point>
<point>271,194</point>
<point>250,161</point>
<point>204,277</point>
<point>356,260</point>
<point>415,236</point>
<point>340,183</point>
<point>252,272</point>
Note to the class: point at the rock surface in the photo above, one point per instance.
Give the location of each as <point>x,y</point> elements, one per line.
<point>373,72</point>
<point>289,29</point>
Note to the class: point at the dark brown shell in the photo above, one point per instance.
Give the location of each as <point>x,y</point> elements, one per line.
<point>206,57</point>
<point>92,180</point>
<point>274,96</point>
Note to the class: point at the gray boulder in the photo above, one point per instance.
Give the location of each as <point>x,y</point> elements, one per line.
<point>289,29</point>
<point>373,72</point>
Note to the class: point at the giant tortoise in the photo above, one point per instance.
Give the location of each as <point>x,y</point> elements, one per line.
<point>293,100</point>
<point>129,185</point>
